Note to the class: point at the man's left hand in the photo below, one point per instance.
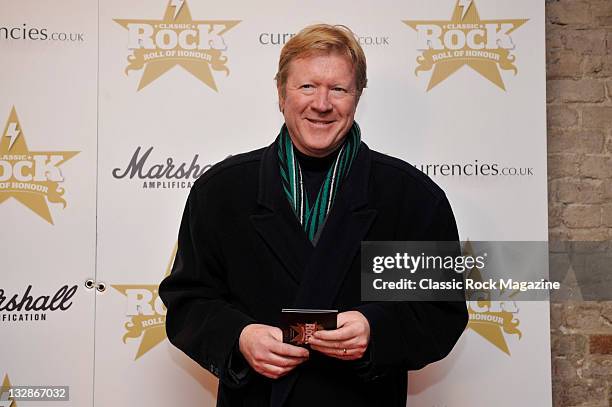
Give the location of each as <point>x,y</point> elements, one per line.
<point>348,342</point>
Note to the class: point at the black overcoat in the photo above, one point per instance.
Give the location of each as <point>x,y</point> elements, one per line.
<point>242,256</point>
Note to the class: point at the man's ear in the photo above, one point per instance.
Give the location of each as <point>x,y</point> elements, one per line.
<point>358,96</point>
<point>281,98</point>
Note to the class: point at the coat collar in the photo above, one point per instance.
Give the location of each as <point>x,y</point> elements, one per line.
<point>319,270</point>
<point>270,183</point>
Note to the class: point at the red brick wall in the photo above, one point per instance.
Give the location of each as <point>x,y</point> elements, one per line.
<point>579,99</point>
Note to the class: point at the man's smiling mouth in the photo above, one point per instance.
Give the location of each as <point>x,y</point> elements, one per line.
<point>320,122</point>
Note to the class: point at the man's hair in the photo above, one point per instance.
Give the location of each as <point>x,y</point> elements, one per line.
<point>323,39</point>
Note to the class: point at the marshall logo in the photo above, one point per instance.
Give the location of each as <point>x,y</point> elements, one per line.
<point>168,174</point>
<point>195,45</point>
<point>146,312</point>
<point>31,177</point>
<point>465,39</point>
<point>18,308</point>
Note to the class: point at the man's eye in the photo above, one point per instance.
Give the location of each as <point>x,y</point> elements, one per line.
<point>339,89</point>
<point>307,86</point>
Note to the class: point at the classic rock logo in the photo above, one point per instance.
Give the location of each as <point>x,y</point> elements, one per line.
<point>5,400</point>
<point>146,311</point>
<point>31,177</point>
<point>493,320</point>
<point>177,39</point>
<point>465,39</point>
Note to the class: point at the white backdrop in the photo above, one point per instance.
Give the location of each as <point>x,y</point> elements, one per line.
<point>71,93</point>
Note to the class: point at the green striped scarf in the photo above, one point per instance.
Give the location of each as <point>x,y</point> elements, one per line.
<point>312,216</point>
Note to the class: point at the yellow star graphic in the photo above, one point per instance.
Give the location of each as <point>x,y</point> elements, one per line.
<point>6,384</point>
<point>34,175</point>
<point>154,332</point>
<point>491,325</point>
<point>465,18</point>
<point>489,331</point>
<point>177,17</point>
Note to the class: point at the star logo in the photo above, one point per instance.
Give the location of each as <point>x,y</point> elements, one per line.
<point>492,320</point>
<point>465,39</point>
<point>30,177</point>
<point>146,311</point>
<point>177,40</point>
<point>5,400</point>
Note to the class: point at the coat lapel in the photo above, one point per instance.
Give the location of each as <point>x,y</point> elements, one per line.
<point>275,222</point>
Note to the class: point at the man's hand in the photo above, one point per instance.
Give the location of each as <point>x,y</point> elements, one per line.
<point>263,348</point>
<point>348,342</point>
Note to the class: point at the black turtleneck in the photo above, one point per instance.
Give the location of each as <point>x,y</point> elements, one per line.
<point>314,170</point>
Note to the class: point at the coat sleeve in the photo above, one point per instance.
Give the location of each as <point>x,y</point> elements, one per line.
<point>200,320</point>
<point>410,335</point>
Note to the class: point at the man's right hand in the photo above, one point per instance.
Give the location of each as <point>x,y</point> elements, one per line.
<point>263,348</point>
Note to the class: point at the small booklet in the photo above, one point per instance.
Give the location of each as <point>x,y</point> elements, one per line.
<point>299,325</point>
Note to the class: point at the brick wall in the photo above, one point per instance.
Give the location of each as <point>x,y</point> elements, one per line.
<point>579,99</point>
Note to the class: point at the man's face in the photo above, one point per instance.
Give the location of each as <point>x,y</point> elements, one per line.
<point>319,102</point>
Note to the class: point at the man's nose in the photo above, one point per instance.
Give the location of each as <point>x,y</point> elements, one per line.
<point>321,101</point>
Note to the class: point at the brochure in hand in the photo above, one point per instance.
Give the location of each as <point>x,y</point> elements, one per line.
<point>299,325</point>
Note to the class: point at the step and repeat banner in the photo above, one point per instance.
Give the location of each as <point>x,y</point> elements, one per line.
<point>111,110</point>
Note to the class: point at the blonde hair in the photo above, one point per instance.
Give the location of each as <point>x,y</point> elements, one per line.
<point>323,38</point>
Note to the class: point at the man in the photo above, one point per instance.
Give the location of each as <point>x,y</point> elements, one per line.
<point>281,227</point>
